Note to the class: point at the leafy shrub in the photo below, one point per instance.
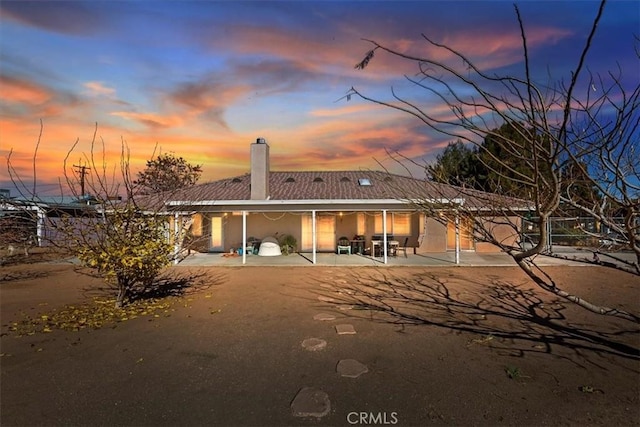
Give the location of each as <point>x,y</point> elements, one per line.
<point>128,248</point>
<point>288,244</point>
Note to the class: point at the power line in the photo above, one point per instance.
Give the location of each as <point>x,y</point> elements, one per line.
<point>82,171</point>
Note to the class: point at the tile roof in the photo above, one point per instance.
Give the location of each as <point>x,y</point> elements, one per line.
<point>322,185</point>
<point>337,185</point>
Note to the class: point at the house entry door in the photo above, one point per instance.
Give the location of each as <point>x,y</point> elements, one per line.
<point>325,233</point>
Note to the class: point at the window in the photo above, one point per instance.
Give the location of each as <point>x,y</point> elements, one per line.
<point>401,224</point>
<point>361,224</point>
<point>397,223</point>
<point>363,182</point>
<point>377,223</point>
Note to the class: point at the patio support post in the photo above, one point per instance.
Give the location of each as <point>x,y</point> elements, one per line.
<point>41,214</point>
<point>313,236</point>
<point>457,239</point>
<point>176,237</point>
<point>384,234</point>
<point>244,237</point>
<point>549,236</point>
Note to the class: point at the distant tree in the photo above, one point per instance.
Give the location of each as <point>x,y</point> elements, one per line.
<point>167,173</point>
<point>458,164</point>
<point>498,163</point>
<point>502,160</point>
<point>507,157</point>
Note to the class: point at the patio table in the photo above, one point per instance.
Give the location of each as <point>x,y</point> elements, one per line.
<point>392,247</point>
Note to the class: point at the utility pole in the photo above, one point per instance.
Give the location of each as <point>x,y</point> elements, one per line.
<point>82,171</point>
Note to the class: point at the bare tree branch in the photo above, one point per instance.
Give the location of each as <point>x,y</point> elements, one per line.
<point>564,139</point>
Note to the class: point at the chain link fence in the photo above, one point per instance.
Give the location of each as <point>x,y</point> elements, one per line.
<point>580,232</point>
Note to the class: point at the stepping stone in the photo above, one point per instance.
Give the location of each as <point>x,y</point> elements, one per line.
<point>324,316</point>
<point>345,330</point>
<point>345,307</point>
<point>314,344</point>
<point>310,402</point>
<point>341,281</point>
<point>351,368</point>
<point>325,299</point>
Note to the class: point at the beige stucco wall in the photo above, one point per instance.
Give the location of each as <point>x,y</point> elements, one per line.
<point>435,239</point>
<point>346,225</point>
<point>260,226</point>
<point>503,231</point>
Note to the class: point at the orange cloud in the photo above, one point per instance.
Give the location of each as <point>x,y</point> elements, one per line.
<point>206,97</point>
<point>355,108</point>
<point>281,42</point>
<point>150,119</point>
<point>327,143</point>
<point>23,91</point>
<point>99,88</point>
<point>486,48</point>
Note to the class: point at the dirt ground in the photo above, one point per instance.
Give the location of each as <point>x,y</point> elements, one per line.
<point>443,346</point>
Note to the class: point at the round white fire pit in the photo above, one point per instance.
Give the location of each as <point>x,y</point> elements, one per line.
<point>269,247</point>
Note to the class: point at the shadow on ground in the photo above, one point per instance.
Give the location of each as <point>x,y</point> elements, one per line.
<point>170,283</point>
<point>512,319</point>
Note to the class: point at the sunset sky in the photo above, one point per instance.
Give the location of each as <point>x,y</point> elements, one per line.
<point>205,79</point>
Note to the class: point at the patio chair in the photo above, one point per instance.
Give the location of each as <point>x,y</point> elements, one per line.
<point>344,245</point>
<point>403,247</point>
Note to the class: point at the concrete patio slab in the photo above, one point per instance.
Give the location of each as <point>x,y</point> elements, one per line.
<point>328,259</point>
<point>443,259</point>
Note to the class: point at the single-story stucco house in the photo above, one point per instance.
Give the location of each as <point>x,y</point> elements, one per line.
<point>318,208</point>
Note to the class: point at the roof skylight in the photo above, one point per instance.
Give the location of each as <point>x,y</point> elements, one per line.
<point>363,182</point>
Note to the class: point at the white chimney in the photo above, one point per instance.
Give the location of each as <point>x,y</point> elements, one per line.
<point>259,170</point>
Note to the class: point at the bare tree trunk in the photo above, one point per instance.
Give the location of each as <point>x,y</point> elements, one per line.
<point>550,286</point>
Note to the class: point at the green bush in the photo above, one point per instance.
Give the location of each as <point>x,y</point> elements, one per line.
<point>130,249</point>
<point>288,244</point>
